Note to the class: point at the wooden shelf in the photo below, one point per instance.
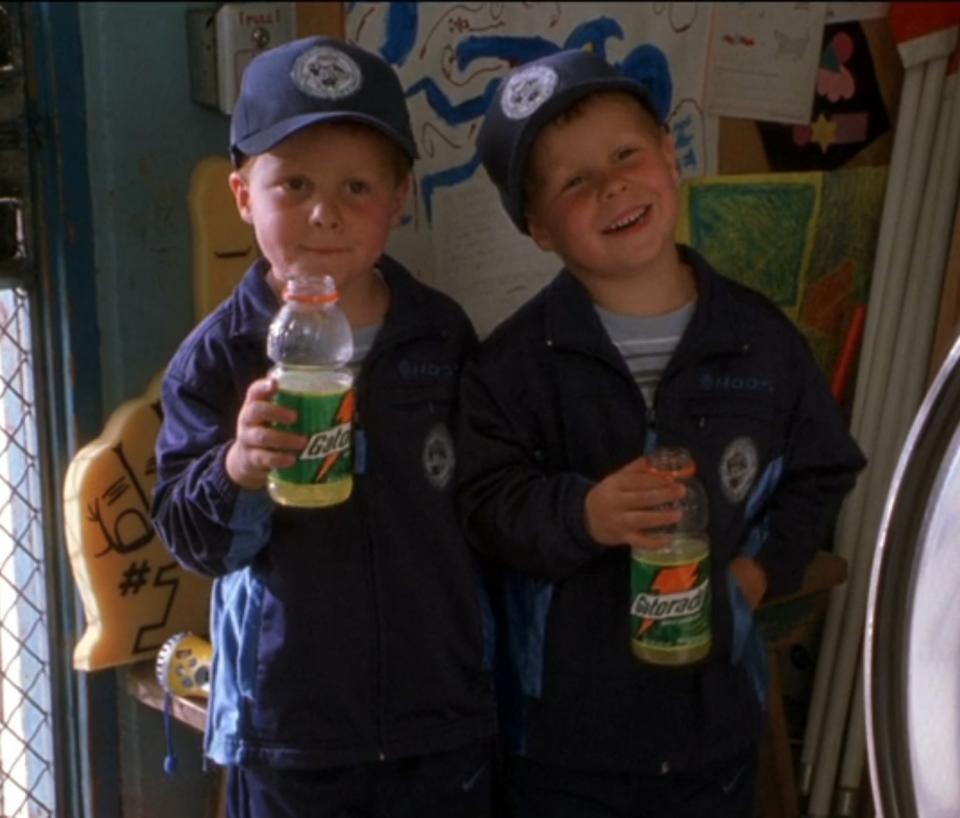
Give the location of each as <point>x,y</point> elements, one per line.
<point>142,684</point>
<point>785,620</point>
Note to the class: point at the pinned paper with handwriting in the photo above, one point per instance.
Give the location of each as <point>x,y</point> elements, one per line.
<point>763,60</point>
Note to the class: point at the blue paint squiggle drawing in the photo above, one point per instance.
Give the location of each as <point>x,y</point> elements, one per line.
<point>400,32</point>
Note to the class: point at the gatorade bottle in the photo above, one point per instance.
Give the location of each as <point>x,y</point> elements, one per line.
<point>310,342</point>
<point>670,586</point>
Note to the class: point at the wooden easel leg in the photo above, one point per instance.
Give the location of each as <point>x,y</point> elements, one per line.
<point>776,780</point>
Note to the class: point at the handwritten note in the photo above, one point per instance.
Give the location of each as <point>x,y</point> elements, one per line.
<point>763,60</point>
<point>844,12</point>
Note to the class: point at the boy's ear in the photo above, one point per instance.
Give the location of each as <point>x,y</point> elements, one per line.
<point>401,194</point>
<point>241,195</point>
<point>670,154</point>
<point>540,235</point>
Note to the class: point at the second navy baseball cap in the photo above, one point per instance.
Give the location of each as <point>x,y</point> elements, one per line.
<point>530,97</point>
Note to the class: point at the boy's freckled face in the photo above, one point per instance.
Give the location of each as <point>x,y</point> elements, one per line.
<point>605,193</point>
<point>322,202</point>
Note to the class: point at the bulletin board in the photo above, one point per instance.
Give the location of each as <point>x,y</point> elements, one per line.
<point>451,58</point>
<point>455,236</point>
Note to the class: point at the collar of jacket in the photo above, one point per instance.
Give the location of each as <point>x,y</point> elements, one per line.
<point>571,322</point>
<point>257,304</point>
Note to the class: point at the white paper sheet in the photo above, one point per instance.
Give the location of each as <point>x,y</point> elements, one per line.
<point>481,259</point>
<point>763,60</point>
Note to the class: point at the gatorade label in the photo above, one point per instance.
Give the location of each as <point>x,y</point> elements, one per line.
<point>326,421</point>
<point>671,604</point>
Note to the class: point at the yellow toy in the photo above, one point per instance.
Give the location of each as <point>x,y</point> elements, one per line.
<point>183,665</point>
<point>134,594</point>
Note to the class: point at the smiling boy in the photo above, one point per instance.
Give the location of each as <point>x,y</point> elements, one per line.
<point>636,343</point>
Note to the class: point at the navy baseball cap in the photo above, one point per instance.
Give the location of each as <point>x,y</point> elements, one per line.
<point>316,79</point>
<point>530,97</point>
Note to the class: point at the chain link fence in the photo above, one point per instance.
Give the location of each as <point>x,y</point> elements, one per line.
<point>27,784</point>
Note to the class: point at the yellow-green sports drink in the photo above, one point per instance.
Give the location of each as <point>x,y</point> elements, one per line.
<point>670,613</point>
<point>324,403</point>
<point>311,343</point>
<point>670,608</point>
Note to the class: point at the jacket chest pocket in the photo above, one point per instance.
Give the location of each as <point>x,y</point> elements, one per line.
<point>430,401</point>
<point>708,411</point>
<point>733,440</point>
<point>413,435</point>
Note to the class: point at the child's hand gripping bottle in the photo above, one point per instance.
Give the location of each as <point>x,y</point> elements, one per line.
<point>311,343</point>
<point>670,586</point>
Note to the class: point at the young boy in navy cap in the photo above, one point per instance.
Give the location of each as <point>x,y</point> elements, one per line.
<point>636,343</point>
<point>351,669</point>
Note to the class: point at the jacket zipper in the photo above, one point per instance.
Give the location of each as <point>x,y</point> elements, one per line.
<point>371,557</point>
<point>378,646</point>
<point>650,438</point>
<point>373,356</point>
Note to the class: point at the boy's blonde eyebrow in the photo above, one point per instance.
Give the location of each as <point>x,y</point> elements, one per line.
<point>555,171</point>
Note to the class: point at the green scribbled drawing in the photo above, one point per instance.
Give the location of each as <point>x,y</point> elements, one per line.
<point>850,209</point>
<point>851,204</point>
<point>757,233</point>
<point>806,240</point>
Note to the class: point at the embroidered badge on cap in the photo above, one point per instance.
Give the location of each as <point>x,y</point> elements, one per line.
<point>326,73</point>
<point>738,468</point>
<point>527,91</point>
<point>438,456</point>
